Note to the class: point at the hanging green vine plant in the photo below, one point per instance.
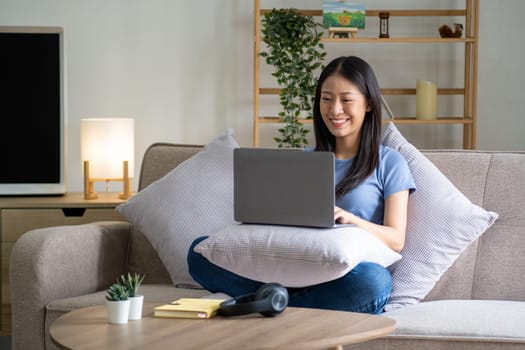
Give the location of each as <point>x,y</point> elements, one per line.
<point>295,50</point>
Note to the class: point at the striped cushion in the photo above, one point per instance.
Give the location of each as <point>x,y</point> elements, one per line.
<point>194,199</point>
<point>293,256</point>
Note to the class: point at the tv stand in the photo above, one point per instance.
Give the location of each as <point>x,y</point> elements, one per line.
<point>19,214</point>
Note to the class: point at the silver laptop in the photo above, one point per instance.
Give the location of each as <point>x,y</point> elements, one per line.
<point>284,187</point>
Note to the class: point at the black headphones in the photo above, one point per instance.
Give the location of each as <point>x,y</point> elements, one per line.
<point>270,299</point>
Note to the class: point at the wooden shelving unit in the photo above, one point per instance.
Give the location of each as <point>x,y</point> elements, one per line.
<point>468,91</point>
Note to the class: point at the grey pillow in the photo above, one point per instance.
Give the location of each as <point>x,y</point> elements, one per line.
<point>442,222</point>
<point>194,199</point>
<point>293,256</point>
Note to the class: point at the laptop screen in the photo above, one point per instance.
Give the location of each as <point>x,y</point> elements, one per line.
<point>284,187</point>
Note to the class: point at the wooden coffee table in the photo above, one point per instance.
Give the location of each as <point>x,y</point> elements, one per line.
<point>295,328</point>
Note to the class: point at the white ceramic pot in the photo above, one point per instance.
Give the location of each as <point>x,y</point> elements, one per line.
<point>118,311</point>
<point>135,307</point>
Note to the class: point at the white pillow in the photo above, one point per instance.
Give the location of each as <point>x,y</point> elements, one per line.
<point>194,199</point>
<point>293,256</point>
<point>442,222</point>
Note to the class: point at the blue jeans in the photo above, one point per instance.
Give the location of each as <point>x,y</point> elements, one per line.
<point>366,288</point>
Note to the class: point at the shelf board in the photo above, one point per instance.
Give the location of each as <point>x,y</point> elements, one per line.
<point>278,120</point>
<point>412,91</point>
<point>392,13</point>
<point>398,40</point>
<point>401,120</point>
<point>431,121</point>
<point>384,91</point>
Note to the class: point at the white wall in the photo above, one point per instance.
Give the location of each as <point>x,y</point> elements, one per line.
<point>183,69</point>
<point>501,76</point>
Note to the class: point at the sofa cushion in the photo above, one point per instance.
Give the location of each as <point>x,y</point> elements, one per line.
<point>477,320</point>
<point>501,259</point>
<point>144,259</point>
<point>293,256</point>
<point>442,222</point>
<point>194,199</point>
<point>467,170</point>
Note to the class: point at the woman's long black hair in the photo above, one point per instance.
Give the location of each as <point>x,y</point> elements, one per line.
<point>359,73</point>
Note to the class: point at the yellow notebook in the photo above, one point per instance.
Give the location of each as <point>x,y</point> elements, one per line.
<point>189,308</point>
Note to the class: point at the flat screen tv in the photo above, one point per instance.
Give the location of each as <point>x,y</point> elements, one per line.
<point>32,111</point>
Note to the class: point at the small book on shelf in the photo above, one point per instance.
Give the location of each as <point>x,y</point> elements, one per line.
<point>189,308</point>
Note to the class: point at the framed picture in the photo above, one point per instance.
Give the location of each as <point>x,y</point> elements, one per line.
<point>343,14</point>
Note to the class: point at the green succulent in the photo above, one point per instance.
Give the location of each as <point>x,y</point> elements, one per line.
<point>117,292</point>
<point>132,283</point>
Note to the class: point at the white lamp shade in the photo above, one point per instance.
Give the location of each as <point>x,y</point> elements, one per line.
<point>106,143</point>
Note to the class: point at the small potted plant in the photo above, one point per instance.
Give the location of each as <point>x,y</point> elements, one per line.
<point>132,284</point>
<point>117,302</point>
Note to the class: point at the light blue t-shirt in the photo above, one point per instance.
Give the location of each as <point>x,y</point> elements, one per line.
<point>390,176</point>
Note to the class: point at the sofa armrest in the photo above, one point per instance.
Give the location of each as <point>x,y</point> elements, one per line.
<point>61,262</point>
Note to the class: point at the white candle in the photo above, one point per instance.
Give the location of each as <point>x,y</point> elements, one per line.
<point>426,100</point>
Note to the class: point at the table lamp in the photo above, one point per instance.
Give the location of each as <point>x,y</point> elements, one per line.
<point>107,152</point>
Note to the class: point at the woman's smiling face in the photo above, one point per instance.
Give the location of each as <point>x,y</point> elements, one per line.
<point>343,106</point>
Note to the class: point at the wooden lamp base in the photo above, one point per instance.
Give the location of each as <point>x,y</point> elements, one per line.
<point>89,192</point>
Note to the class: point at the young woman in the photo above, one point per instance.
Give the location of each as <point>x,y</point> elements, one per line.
<point>373,185</point>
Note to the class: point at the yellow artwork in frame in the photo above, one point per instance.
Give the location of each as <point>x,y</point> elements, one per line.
<point>343,14</point>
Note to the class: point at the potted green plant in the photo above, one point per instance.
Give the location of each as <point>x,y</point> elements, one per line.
<point>117,302</point>
<point>132,284</point>
<point>295,50</point>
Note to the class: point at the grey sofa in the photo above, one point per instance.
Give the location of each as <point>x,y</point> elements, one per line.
<point>478,304</point>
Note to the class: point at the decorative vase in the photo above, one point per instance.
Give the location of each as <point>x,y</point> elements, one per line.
<point>118,311</point>
<point>135,307</point>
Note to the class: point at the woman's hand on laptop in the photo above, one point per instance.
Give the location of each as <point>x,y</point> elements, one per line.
<point>392,233</point>
<point>342,216</point>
